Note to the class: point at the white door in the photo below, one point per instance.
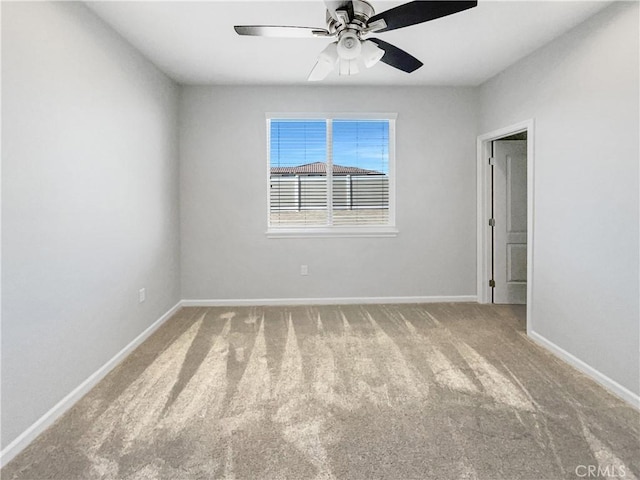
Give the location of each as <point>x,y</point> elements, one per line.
<point>510,214</point>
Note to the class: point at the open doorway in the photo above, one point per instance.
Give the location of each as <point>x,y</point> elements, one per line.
<point>508,282</point>
<point>505,216</point>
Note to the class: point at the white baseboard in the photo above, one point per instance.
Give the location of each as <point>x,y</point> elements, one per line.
<point>611,385</point>
<point>26,437</point>
<point>236,302</point>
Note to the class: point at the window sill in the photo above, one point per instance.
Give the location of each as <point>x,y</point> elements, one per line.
<point>332,232</point>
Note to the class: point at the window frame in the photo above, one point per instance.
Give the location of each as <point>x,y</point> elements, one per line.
<point>388,230</point>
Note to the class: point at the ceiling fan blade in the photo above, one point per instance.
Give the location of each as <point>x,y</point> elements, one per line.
<point>281,31</point>
<point>413,13</point>
<point>397,58</point>
<point>371,53</point>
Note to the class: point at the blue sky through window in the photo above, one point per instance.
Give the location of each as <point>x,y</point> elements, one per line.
<point>362,144</point>
<point>298,142</point>
<point>356,143</point>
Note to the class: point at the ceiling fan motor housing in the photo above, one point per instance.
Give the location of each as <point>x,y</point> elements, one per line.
<point>353,15</point>
<point>362,11</point>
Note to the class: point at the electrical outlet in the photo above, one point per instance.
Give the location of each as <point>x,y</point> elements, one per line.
<point>304,270</point>
<point>142,295</point>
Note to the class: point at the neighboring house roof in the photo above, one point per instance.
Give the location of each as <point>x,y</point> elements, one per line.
<point>320,168</point>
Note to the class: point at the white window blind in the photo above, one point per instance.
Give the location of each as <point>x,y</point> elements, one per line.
<point>330,173</point>
<point>298,194</point>
<point>360,172</point>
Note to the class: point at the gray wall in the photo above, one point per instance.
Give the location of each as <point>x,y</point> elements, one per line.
<point>582,91</point>
<point>225,253</point>
<point>89,202</point>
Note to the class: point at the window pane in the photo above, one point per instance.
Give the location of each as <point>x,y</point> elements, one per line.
<point>298,173</point>
<point>360,172</point>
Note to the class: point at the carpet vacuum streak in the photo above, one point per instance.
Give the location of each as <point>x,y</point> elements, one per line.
<point>437,391</point>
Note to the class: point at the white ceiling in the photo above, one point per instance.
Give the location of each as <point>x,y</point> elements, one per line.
<point>194,42</point>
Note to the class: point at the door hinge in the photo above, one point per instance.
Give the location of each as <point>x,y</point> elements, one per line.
<point>492,161</point>
<point>492,283</point>
<point>492,222</point>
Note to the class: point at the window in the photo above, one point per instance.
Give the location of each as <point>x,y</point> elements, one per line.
<point>331,176</point>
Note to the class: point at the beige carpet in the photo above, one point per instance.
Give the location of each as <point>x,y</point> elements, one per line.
<point>439,391</point>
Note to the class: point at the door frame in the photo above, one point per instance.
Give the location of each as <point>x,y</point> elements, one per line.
<point>483,177</point>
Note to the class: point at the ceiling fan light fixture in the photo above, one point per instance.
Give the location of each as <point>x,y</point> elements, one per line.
<point>325,64</point>
<point>349,46</point>
<point>348,67</point>
<point>371,53</point>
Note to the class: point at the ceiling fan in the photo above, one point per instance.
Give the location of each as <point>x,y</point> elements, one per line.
<point>351,21</point>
